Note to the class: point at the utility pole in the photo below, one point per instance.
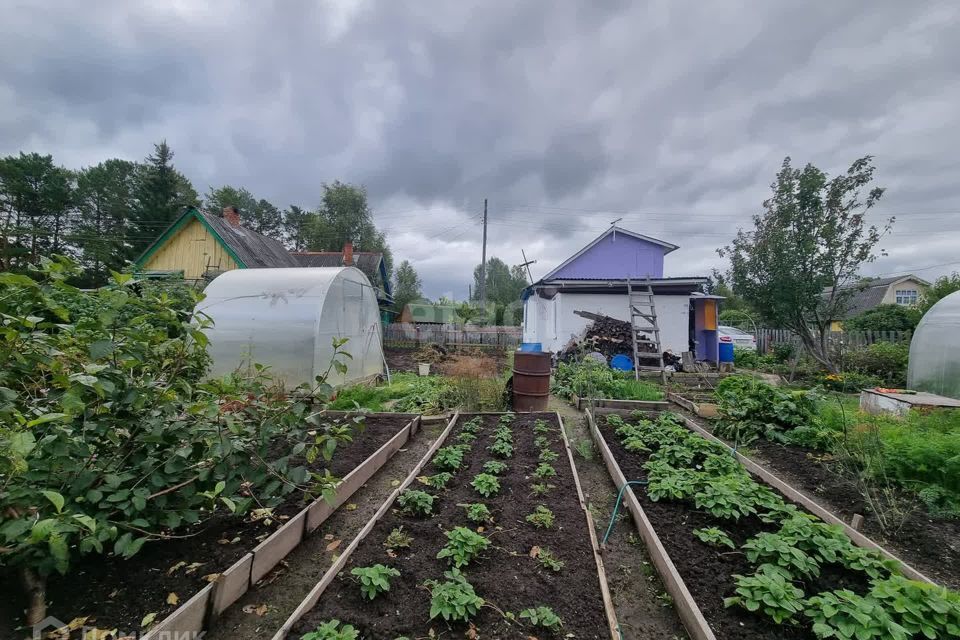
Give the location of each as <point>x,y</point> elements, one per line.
<point>526,263</point>
<point>483,264</point>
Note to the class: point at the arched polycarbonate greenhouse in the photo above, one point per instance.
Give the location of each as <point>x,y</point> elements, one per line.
<point>935,350</point>
<point>288,319</point>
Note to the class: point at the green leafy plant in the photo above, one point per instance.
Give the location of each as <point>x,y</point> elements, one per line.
<point>463,545</point>
<point>111,435</point>
<point>476,512</point>
<point>923,609</point>
<point>750,409</point>
<point>585,449</point>
<point>494,467</point>
<point>438,480</point>
<point>780,551</point>
<point>548,456</point>
<point>540,426</point>
<point>770,591</point>
<point>486,484</point>
<point>501,449</point>
<point>539,489</point>
<point>375,579</point>
<point>465,437</point>
<point>541,442</point>
<point>544,471</point>
<point>331,630</point>
<point>448,458</point>
<point>549,560</point>
<point>504,433</point>
<point>473,426</point>
<point>454,598</point>
<point>416,502</point>
<point>845,615</point>
<point>714,536</point>
<point>398,539</point>
<point>542,617</point>
<point>507,418</point>
<point>542,517</point>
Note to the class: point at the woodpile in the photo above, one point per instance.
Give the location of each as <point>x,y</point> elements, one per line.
<point>605,335</point>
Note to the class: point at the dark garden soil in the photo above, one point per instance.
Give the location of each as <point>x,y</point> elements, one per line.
<point>407,358</point>
<point>506,575</point>
<point>644,610</point>
<point>118,593</point>
<point>929,544</point>
<point>708,572</point>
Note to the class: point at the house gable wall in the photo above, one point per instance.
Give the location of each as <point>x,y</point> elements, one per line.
<point>192,249</point>
<point>617,256</point>
<point>890,297</point>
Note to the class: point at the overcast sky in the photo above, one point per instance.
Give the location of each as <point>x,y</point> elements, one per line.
<point>566,115</point>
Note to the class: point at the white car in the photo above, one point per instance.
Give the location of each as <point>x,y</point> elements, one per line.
<point>738,337</point>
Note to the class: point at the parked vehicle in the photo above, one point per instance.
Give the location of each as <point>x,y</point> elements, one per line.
<point>738,337</point>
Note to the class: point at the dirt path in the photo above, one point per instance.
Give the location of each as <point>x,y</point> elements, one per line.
<point>285,587</point>
<point>644,610</point>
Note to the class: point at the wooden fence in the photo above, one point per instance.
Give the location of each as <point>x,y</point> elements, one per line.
<point>400,333</point>
<point>841,340</point>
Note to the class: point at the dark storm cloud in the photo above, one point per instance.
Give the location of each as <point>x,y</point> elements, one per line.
<point>566,115</point>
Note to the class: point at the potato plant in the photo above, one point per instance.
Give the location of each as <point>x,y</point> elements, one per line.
<point>110,438</point>
<point>454,598</point>
<point>682,466</point>
<point>542,517</point>
<point>374,580</point>
<point>463,545</point>
<point>486,485</point>
<point>414,502</point>
<point>476,512</point>
<point>332,630</point>
<point>542,617</point>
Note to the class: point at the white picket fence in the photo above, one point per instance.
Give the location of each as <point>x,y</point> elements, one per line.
<point>400,333</point>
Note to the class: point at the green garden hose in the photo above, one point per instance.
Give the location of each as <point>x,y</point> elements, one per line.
<point>616,508</point>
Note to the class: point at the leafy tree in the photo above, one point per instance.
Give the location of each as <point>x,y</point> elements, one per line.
<point>467,312</point>
<point>504,286</point>
<point>162,195</point>
<point>944,286</point>
<point>885,317</point>
<point>407,286</point>
<point>295,221</point>
<point>36,196</point>
<point>344,215</point>
<point>810,240</point>
<point>104,200</point>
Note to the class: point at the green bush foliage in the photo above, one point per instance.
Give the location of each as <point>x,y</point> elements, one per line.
<point>885,317</point>
<point>750,409</point>
<point>591,379</point>
<point>884,361</point>
<point>110,438</point>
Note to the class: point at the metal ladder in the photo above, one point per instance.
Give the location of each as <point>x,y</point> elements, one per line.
<point>643,320</point>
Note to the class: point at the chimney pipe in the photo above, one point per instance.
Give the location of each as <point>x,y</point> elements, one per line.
<point>232,215</point>
<point>348,254</point>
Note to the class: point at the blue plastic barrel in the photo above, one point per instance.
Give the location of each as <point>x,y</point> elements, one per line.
<point>726,352</point>
<point>531,346</point>
<point>622,362</point>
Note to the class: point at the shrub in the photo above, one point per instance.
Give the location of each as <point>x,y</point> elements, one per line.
<point>374,580</point>
<point>884,317</point>
<point>884,361</point>
<point>750,408</point>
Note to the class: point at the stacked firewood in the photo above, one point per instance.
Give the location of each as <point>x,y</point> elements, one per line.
<point>605,335</point>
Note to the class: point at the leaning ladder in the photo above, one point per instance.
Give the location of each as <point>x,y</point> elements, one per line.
<point>643,320</point>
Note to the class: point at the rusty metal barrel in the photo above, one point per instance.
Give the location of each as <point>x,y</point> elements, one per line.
<point>531,380</point>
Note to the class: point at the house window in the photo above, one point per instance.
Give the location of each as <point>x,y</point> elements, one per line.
<point>906,296</point>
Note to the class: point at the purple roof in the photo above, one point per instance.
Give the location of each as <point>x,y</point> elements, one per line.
<point>616,254</point>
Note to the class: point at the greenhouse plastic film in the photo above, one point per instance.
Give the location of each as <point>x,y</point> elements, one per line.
<point>287,320</point>
<point>935,350</point>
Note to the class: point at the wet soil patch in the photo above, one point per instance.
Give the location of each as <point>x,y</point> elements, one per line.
<point>407,358</point>
<point>708,571</point>
<point>118,593</point>
<point>928,543</point>
<point>505,575</point>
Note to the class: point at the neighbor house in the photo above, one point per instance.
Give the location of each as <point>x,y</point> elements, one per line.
<point>199,246</point>
<point>595,280</point>
<point>903,290</point>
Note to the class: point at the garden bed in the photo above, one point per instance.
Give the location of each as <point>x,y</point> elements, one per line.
<point>515,571</point>
<point>700,574</point>
<point>207,569</point>
<point>929,543</point>
<point>612,403</point>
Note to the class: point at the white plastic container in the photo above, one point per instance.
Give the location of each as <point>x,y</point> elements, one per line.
<point>423,368</point>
